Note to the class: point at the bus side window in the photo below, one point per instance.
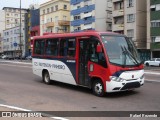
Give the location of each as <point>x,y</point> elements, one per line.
<point>63,47</point>
<point>71,47</point>
<point>52,47</point>
<point>39,47</point>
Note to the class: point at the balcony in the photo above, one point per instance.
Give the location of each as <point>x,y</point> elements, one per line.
<point>63,23</point>
<point>77,22</point>
<point>88,8</point>
<point>153,2</point>
<point>118,27</point>
<point>89,20</point>
<point>49,24</point>
<point>155,15</point>
<point>155,46</point>
<point>117,13</point>
<point>155,31</point>
<point>74,2</point>
<point>87,14</point>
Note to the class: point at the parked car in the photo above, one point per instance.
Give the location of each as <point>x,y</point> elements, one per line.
<point>4,57</point>
<point>29,57</point>
<point>153,62</point>
<point>10,57</point>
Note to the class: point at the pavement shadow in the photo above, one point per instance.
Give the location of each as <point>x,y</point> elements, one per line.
<point>87,90</point>
<point>121,94</point>
<point>66,86</point>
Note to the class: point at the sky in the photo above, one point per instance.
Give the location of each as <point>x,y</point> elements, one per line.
<point>16,3</point>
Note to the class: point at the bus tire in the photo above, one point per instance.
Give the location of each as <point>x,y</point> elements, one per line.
<point>147,64</point>
<point>98,88</point>
<point>46,78</point>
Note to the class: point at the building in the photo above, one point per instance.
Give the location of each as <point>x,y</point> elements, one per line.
<point>129,18</point>
<point>11,41</point>
<point>2,27</point>
<point>12,17</point>
<point>55,16</point>
<point>91,15</point>
<point>32,26</point>
<point>153,28</point>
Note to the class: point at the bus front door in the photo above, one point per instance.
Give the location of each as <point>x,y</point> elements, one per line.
<point>83,61</point>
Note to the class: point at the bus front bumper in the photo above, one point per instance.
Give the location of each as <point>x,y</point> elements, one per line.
<point>114,86</point>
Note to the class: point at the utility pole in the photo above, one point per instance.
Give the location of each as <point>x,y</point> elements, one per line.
<point>20,45</point>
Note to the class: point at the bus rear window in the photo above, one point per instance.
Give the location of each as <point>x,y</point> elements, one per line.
<point>39,46</point>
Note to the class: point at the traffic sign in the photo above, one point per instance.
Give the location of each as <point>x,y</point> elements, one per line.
<point>15,44</point>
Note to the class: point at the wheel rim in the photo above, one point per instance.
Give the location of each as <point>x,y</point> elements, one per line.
<point>46,78</point>
<point>98,88</point>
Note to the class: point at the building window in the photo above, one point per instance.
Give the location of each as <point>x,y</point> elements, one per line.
<point>43,11</point>
<point>56,7</point>
<point>77,17</point>
<point>56,29</point>
<point>52,9</point>
<point>130,34</point>
<point>16,15</point>
<point>155,7</point>
<point>130,18</point>
<point>129,3</point>
<point>47,10</point>
<point>65,7</point>
<point>56,19</point>
<point>118,5</point>
<point>64,18</point>
<point>77,28</point>
<point>155,23</point>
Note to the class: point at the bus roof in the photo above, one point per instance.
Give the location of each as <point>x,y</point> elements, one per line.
<point>78,34</point>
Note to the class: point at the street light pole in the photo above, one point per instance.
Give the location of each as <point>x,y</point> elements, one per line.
<point>20,34</point>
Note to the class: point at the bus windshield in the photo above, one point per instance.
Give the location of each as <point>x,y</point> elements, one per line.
<point>121,51</point>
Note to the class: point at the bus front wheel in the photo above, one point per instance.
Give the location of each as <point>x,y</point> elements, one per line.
<point>98,88</point>
<point>46,78</point>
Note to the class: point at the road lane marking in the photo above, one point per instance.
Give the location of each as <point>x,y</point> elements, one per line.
<point>59,118</point>
<point>16,66</point>
<point>16,62</point>
<point>22,109</point>
<point>157,81</point>
<point>153,73</point>
<point>15,108</point>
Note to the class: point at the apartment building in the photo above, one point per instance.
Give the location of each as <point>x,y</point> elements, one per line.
<point>91,15</point>
<point>153,28</point>
<point>2,27</point>
<point>11,41</point>
<point>129,18</point>
<point>12,17</point>
<point>55,16</point>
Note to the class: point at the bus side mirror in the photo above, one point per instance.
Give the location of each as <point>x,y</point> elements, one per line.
<point>99,48</point>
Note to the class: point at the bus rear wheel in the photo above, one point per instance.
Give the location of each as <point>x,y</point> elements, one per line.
<point>46,78</point>
<point>98,88</point>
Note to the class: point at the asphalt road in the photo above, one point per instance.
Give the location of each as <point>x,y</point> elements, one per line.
<point>20,88</point>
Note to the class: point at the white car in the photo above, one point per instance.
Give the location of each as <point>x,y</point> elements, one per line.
<point>153,62</point>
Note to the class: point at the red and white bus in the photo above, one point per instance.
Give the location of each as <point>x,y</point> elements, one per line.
<point>102,61</point>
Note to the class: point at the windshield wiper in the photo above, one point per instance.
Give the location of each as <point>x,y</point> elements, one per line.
<point>126,52</point>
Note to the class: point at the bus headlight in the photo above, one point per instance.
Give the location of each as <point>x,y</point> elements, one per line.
<point>117,79</point>
<point>142,77</point>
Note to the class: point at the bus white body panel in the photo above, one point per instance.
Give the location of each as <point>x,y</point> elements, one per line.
<point>127,77</point>
<point>58,70</point>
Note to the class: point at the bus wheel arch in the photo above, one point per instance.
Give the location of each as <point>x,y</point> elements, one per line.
<point>46,77</point>
<point>97,87</point>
